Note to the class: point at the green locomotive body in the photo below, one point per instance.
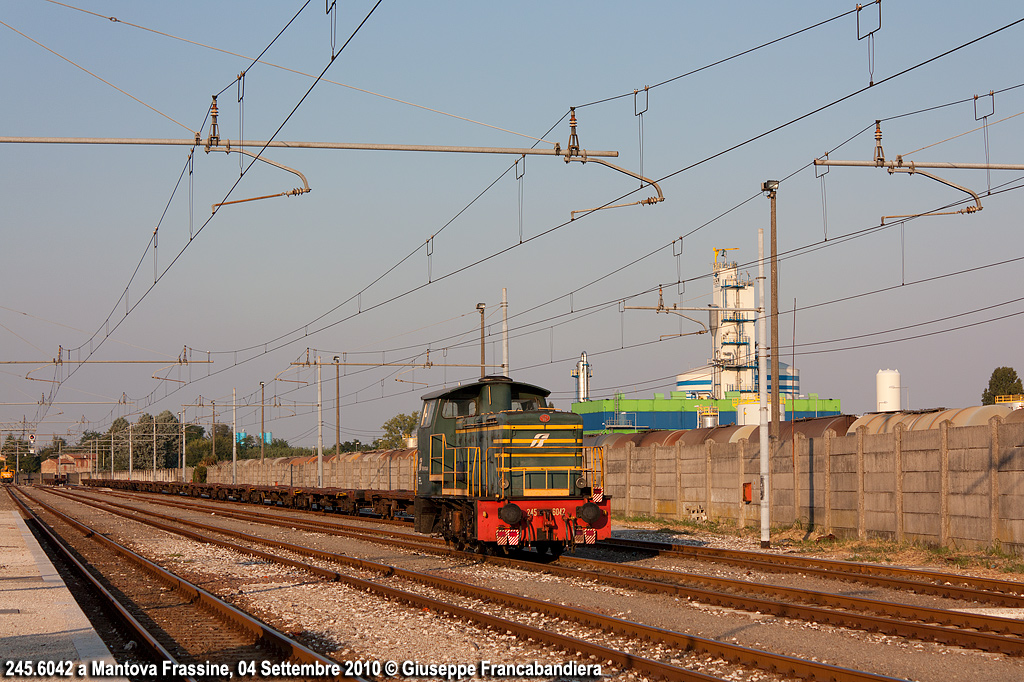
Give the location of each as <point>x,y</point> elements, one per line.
<point>499,467</point>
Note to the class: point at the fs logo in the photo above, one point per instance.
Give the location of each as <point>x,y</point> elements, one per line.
<point>538,440</point>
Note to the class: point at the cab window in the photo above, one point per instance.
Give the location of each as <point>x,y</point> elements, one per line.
<point>428,412</point>
<point>458,408</point>
<point>528,402</point>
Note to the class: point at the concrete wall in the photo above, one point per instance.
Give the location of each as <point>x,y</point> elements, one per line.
<point>950,486</point>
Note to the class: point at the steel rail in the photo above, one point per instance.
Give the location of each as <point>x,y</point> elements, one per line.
<point>647,666</point>
<point>156,651</point>
<point>969,588</point>
<point>786,665</point>
<point>917,622</point>
<point>259,631</point>
<point>972,588</point>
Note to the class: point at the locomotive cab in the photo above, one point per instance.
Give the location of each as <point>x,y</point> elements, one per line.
<point>498,466</point>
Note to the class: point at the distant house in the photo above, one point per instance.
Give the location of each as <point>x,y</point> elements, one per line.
<point>67,464</point>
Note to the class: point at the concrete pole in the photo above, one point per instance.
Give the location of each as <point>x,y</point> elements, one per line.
<point>130,455</point>
<point>263,427</point>
<point>154,448</point>
<point>337,407</point>
<point>181,416</point>
<point>506,370</point>
<point>762,397</point>
<point>319,427</point>
<point>213,430</point>
<point>234,441</point>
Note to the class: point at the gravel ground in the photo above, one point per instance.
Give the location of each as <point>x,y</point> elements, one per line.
<point>356,625</point>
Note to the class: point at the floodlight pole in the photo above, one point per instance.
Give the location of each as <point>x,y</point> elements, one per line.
<point>771,186</point>
<point>483,367</point>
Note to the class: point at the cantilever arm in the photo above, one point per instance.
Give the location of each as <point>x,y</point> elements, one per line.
<point>583,158</point>
<point>911,169</point>
<point>294,192</point>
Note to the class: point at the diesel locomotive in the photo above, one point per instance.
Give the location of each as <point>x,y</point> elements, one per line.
<point>499,468</point>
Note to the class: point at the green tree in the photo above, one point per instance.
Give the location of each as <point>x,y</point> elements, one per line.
<point>1004,381</point>
<point>396,430</point>
<point>350,446</point>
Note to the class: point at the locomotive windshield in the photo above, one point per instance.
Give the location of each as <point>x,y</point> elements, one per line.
<point>528,402</point>
<point>458,408</point>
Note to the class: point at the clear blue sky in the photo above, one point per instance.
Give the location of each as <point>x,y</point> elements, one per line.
<point>344,269</point>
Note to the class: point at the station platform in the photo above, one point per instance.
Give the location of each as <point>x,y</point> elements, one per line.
<point>39,619</point>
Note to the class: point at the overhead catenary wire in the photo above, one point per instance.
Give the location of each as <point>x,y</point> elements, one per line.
<point>259,60</point>
<point>733,56</point>
<point>99,78</point>
<point>232,188</point>
<point>695,164</point>
<point>864,231</point>
<point>785,255</point>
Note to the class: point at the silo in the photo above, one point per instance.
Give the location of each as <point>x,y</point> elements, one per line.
<point>887,390</point>
<point>582,374</point>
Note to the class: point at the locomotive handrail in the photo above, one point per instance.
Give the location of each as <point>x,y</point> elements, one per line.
<point>547,471</point>
<point>589,452</point>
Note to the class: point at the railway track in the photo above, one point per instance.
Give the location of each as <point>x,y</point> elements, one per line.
<point>183,631</point>
<point>921,581</point>
<point>977,631</point>
<point>1002,592</point>
<point>481,602</point>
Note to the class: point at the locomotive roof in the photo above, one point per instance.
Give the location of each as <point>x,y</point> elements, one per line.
<point>529,388</point>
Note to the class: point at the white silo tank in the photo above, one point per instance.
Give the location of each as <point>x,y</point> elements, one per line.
<point>887,390</point>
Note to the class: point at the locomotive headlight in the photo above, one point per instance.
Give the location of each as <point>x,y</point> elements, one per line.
<point>589,512</point>
<point>512,514</point>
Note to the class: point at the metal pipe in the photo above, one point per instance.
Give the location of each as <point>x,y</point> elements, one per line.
<point>583,157</point>
<point>900,163</point>
<point>281,144</point>
<point>968,210</point>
